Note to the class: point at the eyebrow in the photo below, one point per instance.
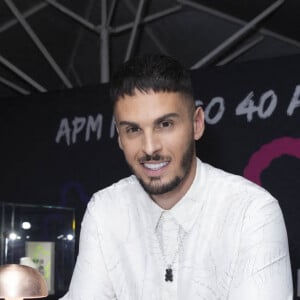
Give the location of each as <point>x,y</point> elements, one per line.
<point>156,121</point>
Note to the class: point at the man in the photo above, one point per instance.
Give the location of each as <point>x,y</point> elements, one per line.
<point>178,228</point>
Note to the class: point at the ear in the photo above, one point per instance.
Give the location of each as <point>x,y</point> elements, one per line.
<point>199,124</point>
<point>120,143</point>
<point>119,139</point>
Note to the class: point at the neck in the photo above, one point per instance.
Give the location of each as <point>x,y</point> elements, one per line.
<point>168,200</point>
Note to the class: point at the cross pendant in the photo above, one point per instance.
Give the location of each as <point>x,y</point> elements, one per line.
<point>169,274</point>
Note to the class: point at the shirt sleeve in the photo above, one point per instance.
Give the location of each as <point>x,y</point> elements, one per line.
<point>263,269</point>
<point>90,278</point>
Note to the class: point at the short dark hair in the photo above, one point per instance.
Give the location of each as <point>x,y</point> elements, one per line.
<point>152,72</point>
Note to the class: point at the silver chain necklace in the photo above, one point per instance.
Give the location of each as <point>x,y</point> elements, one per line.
<point>169,266</point>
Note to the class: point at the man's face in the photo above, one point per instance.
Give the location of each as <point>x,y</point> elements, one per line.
<point>157,133</point>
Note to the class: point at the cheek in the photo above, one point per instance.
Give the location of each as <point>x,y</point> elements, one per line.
<point>130,149</point>
<point>179,141</point>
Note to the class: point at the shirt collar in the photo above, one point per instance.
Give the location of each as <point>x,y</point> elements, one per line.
<point>186,211</point>
<point>149,206</point>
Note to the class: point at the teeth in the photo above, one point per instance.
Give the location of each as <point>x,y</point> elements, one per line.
<point>155,167</point>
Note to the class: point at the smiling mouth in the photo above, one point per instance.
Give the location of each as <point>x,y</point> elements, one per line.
<point>155,166</point>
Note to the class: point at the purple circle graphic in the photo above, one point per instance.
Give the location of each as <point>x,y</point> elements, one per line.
<point>261,159</point>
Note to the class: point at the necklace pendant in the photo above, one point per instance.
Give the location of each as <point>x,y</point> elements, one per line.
<point>169,274</point>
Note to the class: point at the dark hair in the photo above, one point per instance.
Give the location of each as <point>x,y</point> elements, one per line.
<point>158,73</point>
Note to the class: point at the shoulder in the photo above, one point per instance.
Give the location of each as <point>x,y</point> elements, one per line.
<point>232,184</point>
<point>117,204</point>
<point>116,195</point>
<point>112,210</point>
<point>241,204</point>
<point>236,193</point>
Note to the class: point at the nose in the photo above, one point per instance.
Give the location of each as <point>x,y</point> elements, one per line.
<point>151,143</point>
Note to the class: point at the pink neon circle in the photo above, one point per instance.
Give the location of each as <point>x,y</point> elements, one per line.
<point>261,159</point>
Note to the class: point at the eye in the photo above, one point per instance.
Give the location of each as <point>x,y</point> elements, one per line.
<point>165,124</point>
<point>132,129</point>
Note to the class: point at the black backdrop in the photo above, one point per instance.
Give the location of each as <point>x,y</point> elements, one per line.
<point>58,148</point>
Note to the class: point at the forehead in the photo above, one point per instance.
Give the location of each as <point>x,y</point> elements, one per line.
<point>151,105</point>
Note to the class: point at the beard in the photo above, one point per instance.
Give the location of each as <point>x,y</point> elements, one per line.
<point>155,186</point>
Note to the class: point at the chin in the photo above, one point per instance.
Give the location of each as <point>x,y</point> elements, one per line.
<point>161,188</point>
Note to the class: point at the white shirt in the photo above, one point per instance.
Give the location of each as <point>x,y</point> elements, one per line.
<point>234,244</point>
